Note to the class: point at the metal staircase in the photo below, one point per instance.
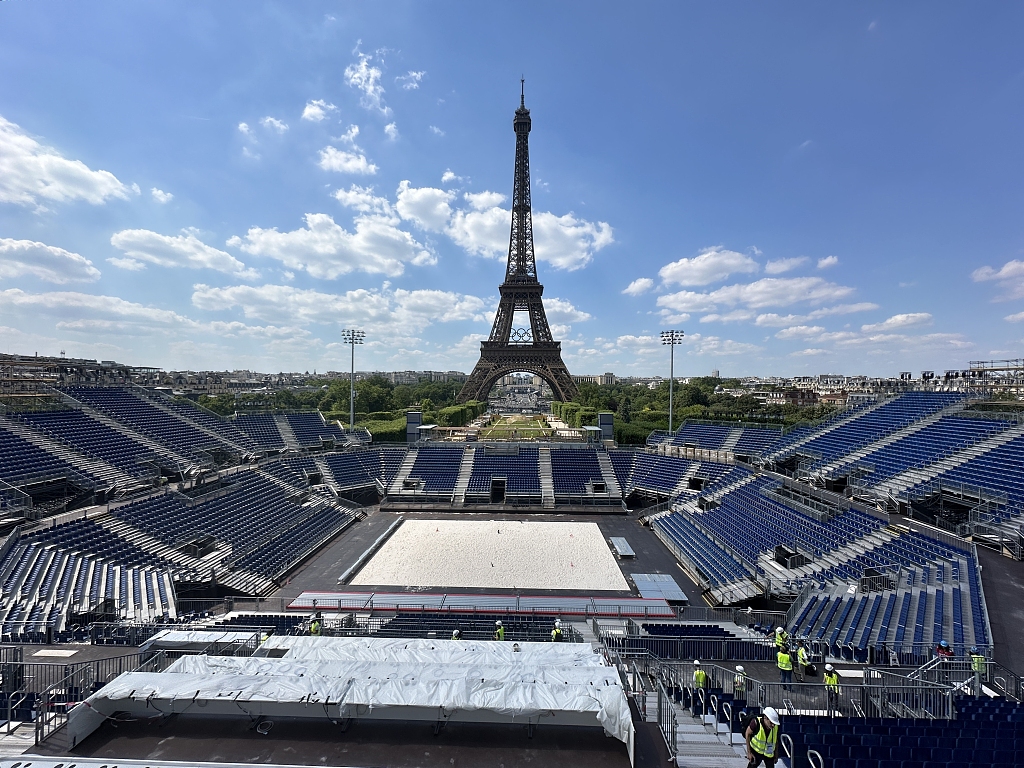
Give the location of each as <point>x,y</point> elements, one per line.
<point>403,471</point>
<point>465,472</point>
<point>547,483</point>
<point>287,434</point>
<point>611,483</point>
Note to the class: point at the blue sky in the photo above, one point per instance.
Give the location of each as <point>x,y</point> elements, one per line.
<point>800,188</point>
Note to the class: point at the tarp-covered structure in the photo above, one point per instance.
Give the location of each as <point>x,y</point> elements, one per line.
<point>378,678</point>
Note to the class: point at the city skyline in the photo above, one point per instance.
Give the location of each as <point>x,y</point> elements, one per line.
<point>228,187</point>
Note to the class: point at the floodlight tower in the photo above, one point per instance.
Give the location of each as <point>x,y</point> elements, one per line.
<point>671,338</point>
<point>352,336</point>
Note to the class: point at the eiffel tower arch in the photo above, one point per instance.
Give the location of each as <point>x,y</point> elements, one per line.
<point>509,349</point>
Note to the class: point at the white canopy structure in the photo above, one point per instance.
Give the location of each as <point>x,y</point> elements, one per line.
<point>345,678</point>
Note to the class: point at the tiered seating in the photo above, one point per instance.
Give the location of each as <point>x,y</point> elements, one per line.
<point>755,441</point>
<point>261,429</point>
<point>997,470</point>
<point>708,437</point>
<point>622,461</point>
<point>522,471</point>
<point>278,623</point>
<point>91,537</point>
<point>657,474</point>
<point>985,733</point>
<point>212,422</point>
<point>947,435</point>
<point>250,515</point>
<point>687,630</point>
<point>279,554</point>
<point>390,461</point>
<point>144,417</point>
<point>474,626</point>
<point>438,467</point>
<point>24,461</point>
<point>90,436</point>
<point>572,469</point>
<point>714,563</point>
<point>310,429</point>
<point>877,423</point>
<point>751,523</point>
<point>355,469</point>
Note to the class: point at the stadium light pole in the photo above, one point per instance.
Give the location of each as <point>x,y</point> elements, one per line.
<point>352,336</point>
<point>671,338</point>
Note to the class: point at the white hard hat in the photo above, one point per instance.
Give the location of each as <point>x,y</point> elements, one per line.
<point>497,623</point>
<point>739,668</point>
<point>696,662</point>
<point>829,667</point>
<point>778,630</point>
<point>772,715</point>
<point>558,622</point>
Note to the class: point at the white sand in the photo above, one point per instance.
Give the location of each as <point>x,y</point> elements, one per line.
<point>495,554</point>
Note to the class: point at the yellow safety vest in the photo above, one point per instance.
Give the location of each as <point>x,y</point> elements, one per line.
<point>556,635</point>
<point>785,661</point>
<point>832,681</point>
<point>781,639</point>
<point>314,628</point>
<point>764,743</point>
<point>977,662</point>
<point>700,678</point>
<point>804,656</point>
<point>499,633</point>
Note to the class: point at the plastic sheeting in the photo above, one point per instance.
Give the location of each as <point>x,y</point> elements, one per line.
<point>385,670</point>
<point>431,651</point>
<point>176,692</point>
<point>183,639</point>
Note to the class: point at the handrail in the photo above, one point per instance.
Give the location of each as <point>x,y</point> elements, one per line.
<point>817,754</point>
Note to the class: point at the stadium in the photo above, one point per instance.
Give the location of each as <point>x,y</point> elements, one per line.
<point>180,587</point>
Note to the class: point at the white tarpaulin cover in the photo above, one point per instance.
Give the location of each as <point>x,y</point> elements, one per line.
<point>379,677</point>
<point>435,651</point>
<point>385,670</point>
<point>175,639</point>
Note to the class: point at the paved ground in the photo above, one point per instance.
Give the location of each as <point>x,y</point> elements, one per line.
<point>1003,580</point>
<point>321,571</point>
<point>400,744</point>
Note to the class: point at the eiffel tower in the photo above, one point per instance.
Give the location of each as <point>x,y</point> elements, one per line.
<point>509,349</point>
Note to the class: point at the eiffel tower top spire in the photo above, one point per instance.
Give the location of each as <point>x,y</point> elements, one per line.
<point>522,266</point>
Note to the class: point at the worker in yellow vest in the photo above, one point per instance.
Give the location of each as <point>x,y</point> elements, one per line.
<point>785,663</point>
<point>700,677</point>
<point>979,665</point>
<point>781,637</point>
<point>762,738</point>
<point>499,631</point>
<point>803,659</point>
<point>831,678</point>
<point>556,633</point>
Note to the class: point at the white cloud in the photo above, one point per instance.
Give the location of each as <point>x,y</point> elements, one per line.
<point>426,207</point>
<point>715,346</point>
<point>483,201</point>
<point>349,137</point>
<point>273,124</point>
<point>1014,318</point>
<point>363,200</point>
<point>184,250</point>
<point>246,131</point>
<point>779,266</point>
<point>711,266</point>
<point>380,312</point>
<point>812,352</point>
<point>326,250</point>
<point>766,292</point>
<point>366,78</point>
<point>130,265</point>
<point>410,81</point>
<point>775,320</point>
<point>639,286</point>
<point>436,131</point>
<point>562,311</point>
<point>31,173</point>
<point>800,332</point>
<point>482,233</point>
<point>736,316</point>
<point>46,262</point>
<point>316,111</point>
<point>391,131</point>
<point>900,321</point>
<point>828,261</point>
<point>448,176</point>
<point>566,242</point>
<point>1010,278</point>
<point>160,196</point>
<point>249,154</point>
<point>332,159</point>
